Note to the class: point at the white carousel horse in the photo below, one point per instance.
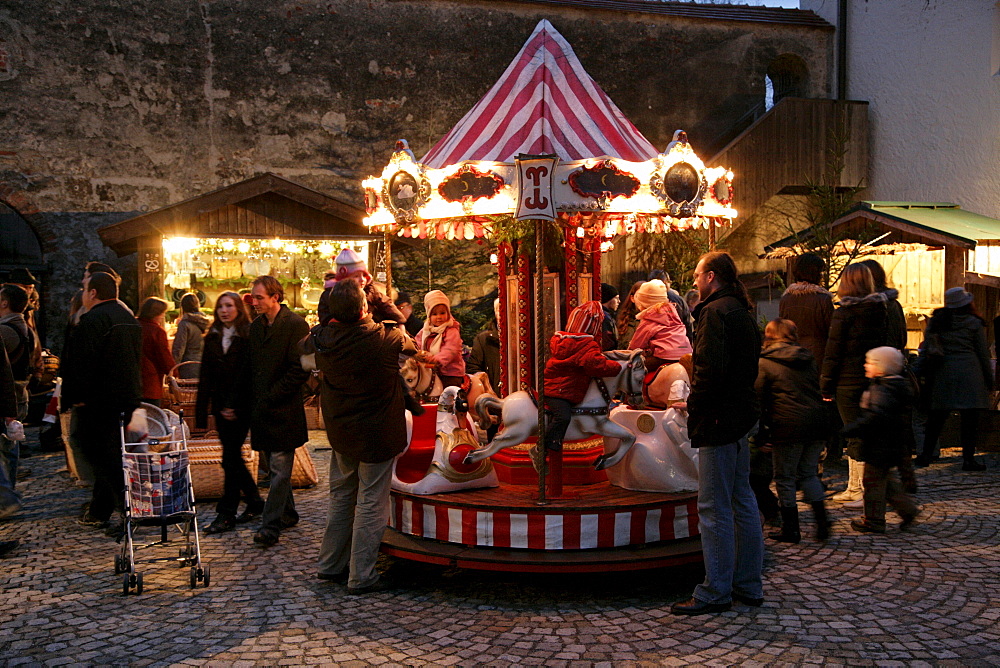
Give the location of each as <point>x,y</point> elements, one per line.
<point>421,378</point>
<point>662,459</point>
<point>448,471</point>
<point>520,413</point>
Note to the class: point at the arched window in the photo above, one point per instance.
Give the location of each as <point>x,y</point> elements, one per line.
<point>786,76</point>
<point>19,245</point>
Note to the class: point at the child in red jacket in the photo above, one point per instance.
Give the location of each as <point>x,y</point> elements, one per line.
<point>576,359</point>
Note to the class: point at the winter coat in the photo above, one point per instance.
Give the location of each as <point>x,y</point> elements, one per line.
<point>486,354</point>
<point>20,342</point>
<point>362,395</point>
<point>810,307</point>
<point>857,326</point>
<point>683,312</point>
<point>962,378</point>
<point>575,359</point>
<point>271,386</point>
<point>449,358</point>
<point>896,319</point>
<point>660,333</point>
<point>188,341</point>
<point>380,307</point>
<point>105,360</point>
<point>723,405</point>
<point>8,391</point>
<point>791,409</point>
<point>609,331</point>
<point>220,376</point>
<point>882,424</point>
<point>156,359</point>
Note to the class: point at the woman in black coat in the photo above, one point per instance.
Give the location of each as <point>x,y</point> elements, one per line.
<point>223,360</point>
<point>956,361</point>
<point>859,324</point>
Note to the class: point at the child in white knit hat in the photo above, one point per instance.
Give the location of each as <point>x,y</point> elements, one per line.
<point>661,334</point>
<point>884,410</point>
<point>348,265</point>
<point>441,339</point>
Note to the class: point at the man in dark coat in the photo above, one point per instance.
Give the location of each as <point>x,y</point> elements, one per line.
<point>10,501</point>
<point>723,413</point>
<point>102,382</point>
<point>486,350</point>
<point>366,426</point>
<point>272,393</point>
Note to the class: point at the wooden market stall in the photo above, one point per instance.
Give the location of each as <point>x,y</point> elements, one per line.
<point>222,239</point>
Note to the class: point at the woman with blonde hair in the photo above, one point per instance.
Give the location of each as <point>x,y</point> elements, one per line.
<point>859,324</point>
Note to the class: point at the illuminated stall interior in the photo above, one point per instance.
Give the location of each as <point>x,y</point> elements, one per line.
<point>221,240</point>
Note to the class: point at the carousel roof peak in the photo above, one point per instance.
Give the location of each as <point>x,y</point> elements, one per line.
<point>545,102</point>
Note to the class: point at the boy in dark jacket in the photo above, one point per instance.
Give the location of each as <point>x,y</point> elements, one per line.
<point>576,359</point>
<point>880,427</point>
<point>793,423</point>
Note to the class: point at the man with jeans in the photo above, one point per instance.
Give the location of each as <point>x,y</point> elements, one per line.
<point>366,426</point>
<point>272,395</point>
<point>723,413</point>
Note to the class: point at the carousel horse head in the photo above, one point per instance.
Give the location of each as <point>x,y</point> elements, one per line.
<point>590,417</point>
<point>420,377</point>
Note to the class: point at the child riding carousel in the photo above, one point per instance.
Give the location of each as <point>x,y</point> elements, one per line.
<point>440,340</point>
<point>660,335</point>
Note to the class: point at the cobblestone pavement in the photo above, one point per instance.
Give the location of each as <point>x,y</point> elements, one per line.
<point>930,595</point>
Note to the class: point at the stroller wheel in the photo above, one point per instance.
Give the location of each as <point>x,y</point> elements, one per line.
<point>138,583</point>
<point>118,564</point>
<point>206,575</point>
<point>194,577</point>
<point>126,584</point>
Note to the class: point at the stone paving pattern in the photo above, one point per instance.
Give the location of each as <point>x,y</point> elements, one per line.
<point>928,596</point>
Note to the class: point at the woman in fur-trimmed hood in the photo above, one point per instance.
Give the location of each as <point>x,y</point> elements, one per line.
<point>809,305</point>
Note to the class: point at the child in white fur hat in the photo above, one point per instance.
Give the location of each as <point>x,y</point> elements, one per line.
<point>884,411</point>
<point>661,334</point>
<point>441,339</point>
<point>348,265</point>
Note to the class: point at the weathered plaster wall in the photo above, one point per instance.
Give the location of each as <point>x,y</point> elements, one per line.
<point>931,71</point>
<point>111,107</point>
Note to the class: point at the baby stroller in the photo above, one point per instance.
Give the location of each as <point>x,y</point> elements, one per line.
<point>159,493</point>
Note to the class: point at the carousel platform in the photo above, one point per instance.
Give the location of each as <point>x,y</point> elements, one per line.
<point>593,528</point>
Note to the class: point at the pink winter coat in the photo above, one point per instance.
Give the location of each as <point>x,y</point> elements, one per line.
<point>661,333</point>
<point>449,359</point>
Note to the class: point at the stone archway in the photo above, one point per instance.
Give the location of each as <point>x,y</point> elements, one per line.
<point>789,76</point>
<point>24,206</point>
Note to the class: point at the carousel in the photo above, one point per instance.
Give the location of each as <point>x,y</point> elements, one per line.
<point>546,158</point>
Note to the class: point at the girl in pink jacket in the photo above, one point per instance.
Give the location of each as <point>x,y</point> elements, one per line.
<point>441,340</point>
<point>660,335</point>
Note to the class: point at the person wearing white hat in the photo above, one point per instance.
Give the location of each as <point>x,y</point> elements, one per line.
<point>441,339</point>
<point>883,415</point>
<point>348,265</point>
<point>956,361</point>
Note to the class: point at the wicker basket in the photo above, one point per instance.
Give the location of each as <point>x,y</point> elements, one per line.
<point>183,390</point>
<point>207,475</point>
<point>303,470</point>
<point>314,413</point>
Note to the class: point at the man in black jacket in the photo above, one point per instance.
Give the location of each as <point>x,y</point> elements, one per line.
<point>723,412</point>
<point>10,501</point>
<point>101,380</point>
<point>273,398</point>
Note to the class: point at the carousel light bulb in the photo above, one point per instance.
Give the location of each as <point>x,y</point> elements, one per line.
<point>494,259</point>
<point>729,175</point>
<point>580,232</point>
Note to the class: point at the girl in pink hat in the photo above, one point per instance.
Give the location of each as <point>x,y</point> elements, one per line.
<point>661,334</point>
<point>441,339</point>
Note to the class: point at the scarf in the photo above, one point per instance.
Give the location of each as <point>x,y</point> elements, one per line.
<point>227,338</point>
<point>434,336</point>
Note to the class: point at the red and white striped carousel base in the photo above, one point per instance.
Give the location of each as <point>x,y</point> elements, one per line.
<point>595,528</point>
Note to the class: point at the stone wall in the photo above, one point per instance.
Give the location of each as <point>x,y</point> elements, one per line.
<point>113,107</point>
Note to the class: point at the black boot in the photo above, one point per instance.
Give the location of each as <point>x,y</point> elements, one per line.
<point>822,521</point>
<point>789,526</point>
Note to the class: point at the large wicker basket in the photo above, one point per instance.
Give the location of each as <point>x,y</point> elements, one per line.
<point>207,475</point>
<point>183,390</point>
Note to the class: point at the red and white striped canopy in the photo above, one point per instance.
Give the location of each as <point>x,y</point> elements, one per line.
<point>544,103</point>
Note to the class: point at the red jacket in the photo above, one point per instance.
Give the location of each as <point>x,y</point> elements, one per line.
<point>576,358</point>
<point>156,359</point>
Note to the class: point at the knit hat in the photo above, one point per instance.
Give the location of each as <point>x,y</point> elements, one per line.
<point>608,292</point>
<point>886,358</point>
<point>956,298</point>
<point>650,293</point>
<point>436,298</point>
<point>348,264</point>
<point>586,319</point>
